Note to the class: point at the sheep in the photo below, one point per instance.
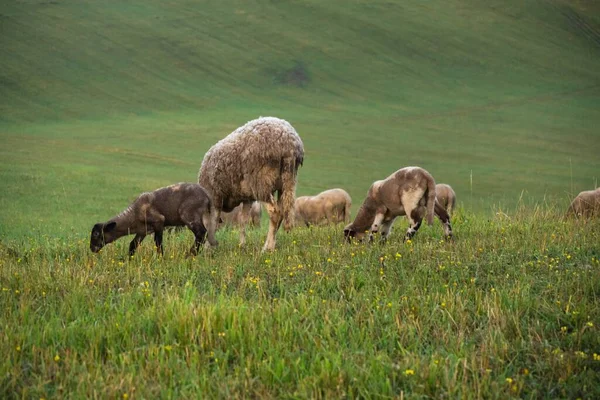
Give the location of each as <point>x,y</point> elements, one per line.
<point>446,197</point>
<point>251,164</point>
<point>586,204</point>
<point>330,206</point>
<point>409,191</point>
<point>182,204</point>
<point>234,217</point>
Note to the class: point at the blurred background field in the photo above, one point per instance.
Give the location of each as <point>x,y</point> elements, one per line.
<point>103,100</point>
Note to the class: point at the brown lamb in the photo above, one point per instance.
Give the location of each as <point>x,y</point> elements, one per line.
<point>586,204</point>
<point>253,163</point>
<point>182,204</point>
<point>235,218</point>
<point>409,191</point>
<point>328,207</point>
<point>446,197</point>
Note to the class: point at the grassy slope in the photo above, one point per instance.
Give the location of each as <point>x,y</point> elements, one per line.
<point>510,310</point>
<point>102,100</point>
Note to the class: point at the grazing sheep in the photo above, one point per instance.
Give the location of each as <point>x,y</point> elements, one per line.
<point>252,163</point>
<point>183,204</point>
<point>446,197</point>
<point>586,204</point>
<point>234,218</point>
<point>330,207</point>
<point>409,191</point>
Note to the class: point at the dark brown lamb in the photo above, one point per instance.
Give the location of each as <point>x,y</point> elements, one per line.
<point>182,204</point>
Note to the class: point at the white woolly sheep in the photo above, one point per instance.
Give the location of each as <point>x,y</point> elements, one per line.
<point>183,204</point>
<point>446,197</point>
<point>586,204</point>
<point>235,218</point>
<point>409,191</point>
<point>329,207</point>
<point>252,163</point>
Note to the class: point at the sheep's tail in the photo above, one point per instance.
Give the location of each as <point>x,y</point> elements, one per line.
<point>287,196</point>
<point>430,200</point>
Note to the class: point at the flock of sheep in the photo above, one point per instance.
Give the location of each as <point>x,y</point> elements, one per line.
<point>258,163</point>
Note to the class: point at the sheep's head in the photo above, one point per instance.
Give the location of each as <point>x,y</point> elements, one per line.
<point>102,234</point>
<point>350,234</point>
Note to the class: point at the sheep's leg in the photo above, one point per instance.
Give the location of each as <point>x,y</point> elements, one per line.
<point>135,243</point>
<point>275,220</point>
<point>386,228</point>
<point>412,229</point>
<point>243,221</point>
<point>442,214</point>
<point>199,231</point>
<point>376,225</point>
<point>287,194</point>
<point>158,239</point>
<point>211,222</point>
<point>414,218</point>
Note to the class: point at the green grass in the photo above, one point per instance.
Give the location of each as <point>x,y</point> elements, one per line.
<point>100,101</point>
<point>510,309</point>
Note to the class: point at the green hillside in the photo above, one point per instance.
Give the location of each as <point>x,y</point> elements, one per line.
<point>102,100</point>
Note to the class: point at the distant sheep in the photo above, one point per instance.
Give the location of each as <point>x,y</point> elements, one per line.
<point>329,207</point>
<point>251,215</point>
<point>409,191</point>
<point>252,163</point>
<point>586,204</point>
<point>183,204</point>
<point>446,197</point>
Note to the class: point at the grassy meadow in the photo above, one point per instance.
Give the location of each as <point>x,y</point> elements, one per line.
<point>100,101</point>
<point>510,309</point>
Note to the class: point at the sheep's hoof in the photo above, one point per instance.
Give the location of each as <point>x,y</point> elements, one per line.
<point>209,246</point>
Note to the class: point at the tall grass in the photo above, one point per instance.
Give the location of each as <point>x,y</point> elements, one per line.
<point>510,308</point>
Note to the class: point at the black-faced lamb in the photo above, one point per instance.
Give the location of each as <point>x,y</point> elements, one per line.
<point>586,204</point>
<point>253,163</point>
<point>241,215</point>
<point>446,197</point>
<point>409,191</point>
<point>182,204</point>
<point>328,207</point>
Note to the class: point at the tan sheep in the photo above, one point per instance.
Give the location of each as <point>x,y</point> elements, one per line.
<point>409,191</point>
<point>183,204</point>
<point>328,207</point>
<point>234,218</point>
<point>586,204</point>
<point>253,163</point>
<point>446,197</point>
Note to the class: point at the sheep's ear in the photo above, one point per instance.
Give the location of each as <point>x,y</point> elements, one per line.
<point>109,227</point>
